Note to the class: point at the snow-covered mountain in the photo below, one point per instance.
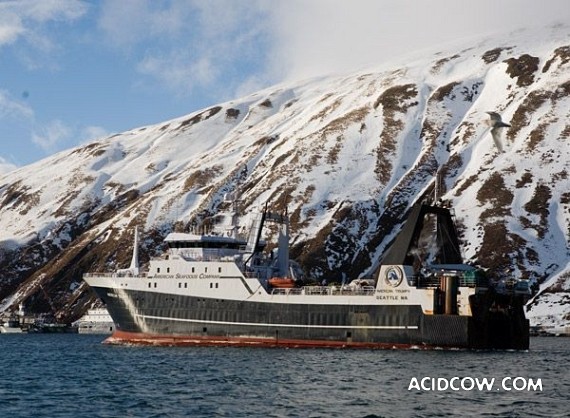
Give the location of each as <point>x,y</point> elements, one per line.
<point>345,155</point>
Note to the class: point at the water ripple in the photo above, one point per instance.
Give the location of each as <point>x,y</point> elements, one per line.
<point>75,376</point>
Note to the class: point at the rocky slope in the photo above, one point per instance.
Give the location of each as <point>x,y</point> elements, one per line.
<point>346,155</point>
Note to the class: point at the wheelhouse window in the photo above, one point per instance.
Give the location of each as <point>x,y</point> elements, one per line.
<point>205,244</point>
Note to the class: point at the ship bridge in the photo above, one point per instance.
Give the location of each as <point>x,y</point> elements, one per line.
<point>206,247</point>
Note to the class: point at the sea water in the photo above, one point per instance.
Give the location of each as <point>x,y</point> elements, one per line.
<point>77,376</point>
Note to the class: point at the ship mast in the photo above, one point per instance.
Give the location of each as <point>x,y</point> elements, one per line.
<point>437,187</point>
<point>235,200</point>
<point>134,267</point>
<point>235,216</point>
<point>282,241</point>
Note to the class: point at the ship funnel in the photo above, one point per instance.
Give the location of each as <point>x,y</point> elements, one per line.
<point>283,246</point>
<point>450,287</point>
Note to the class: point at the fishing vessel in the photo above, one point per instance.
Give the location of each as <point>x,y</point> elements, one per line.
<point>216,289</point>
<point>11,326</point>
<point>95,321</point>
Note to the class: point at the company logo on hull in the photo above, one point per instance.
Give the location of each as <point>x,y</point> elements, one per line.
<point>394,276</point>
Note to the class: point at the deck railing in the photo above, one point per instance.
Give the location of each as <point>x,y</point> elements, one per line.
<point>432,281</point>
<point>324,290</point>
<point>140,275</point>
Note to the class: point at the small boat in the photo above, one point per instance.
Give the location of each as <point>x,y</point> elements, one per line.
<point>43,327</point>
<point>282,282</point>
<point>11,326</point>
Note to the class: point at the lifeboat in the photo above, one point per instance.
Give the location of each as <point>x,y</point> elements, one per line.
<point>282,282</point>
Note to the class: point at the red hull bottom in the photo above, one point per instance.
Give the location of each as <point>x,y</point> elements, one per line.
<point>131,338</point>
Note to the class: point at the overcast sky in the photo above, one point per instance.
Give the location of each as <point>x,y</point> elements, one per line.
<point>72,70</point>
